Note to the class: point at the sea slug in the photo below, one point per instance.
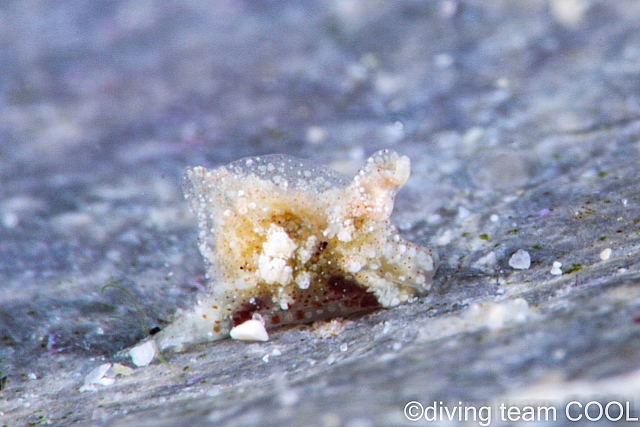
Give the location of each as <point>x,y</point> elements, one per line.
<point>286,241</point>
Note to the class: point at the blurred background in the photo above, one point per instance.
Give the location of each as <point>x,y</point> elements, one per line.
<point>511,112</point>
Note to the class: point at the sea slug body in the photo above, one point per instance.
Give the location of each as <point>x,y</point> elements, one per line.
<point>291,242</point>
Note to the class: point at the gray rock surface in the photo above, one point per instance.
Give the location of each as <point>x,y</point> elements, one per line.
<point>522,122</point>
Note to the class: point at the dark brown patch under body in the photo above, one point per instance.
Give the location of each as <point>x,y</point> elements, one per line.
<point>340,296</point>
<point>354,295</point>
<point>246,310</point>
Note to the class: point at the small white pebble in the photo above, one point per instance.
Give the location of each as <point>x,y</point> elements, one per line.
<point>121,369</point>
<point>316,134</point>
<point>502,83</point>
<point>32,376</point>
<point>251,330</point>
<point>344,346</point>
<point>463,212</point>
<point>10,219</point>
<point>605,254</point>
<point>215,390</point>
<point>521,260</point>
<point>559,354</point>
<point>555,270</point>
<point>265,358</point>
<point>106,381</point>
<point>97,377</point>
<point>448,8</point>
<point>288,397</point>
<point>434,219</point>
<point>443,60</point>
<point>143,354</point>
<point>494,218</point>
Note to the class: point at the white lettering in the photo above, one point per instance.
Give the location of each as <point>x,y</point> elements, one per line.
<point>547,410</point>
<point>629,413</point>
<point>566,410</point>
<point>486,419</point>
<point>586,410</point>
<point>620,410</point>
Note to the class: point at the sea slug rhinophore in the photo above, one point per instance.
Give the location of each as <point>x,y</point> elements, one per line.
<point>286,241</point>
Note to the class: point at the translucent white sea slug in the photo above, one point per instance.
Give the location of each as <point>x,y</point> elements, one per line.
<point>286,241</point>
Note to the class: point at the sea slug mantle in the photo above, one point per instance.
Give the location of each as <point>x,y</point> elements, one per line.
<point>286,241</point>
